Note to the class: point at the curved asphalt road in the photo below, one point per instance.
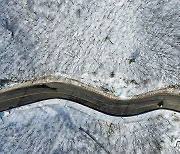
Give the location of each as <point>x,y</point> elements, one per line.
<point>42,91</point>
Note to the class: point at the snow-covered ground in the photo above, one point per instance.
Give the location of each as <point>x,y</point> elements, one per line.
<point>127,47</point>
<point>59,126</point>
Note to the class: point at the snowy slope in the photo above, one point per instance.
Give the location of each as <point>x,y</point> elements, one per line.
<point>127,47</point>
<point>58,126</point>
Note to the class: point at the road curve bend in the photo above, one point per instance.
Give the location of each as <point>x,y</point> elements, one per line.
<point>16,97</point>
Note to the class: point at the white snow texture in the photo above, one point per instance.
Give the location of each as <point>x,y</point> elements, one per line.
<point>127,47</point>
<point>59,126</point>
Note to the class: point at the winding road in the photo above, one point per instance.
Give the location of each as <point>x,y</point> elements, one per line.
<point>41,91</point>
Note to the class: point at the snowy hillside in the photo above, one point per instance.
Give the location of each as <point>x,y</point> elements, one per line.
<point>58,126</point>
<point>127,47</point>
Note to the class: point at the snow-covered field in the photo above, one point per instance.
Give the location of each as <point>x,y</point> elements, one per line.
<point>59,126</point>
<point>127,47</point>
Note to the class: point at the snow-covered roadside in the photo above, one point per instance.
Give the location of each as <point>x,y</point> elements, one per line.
<point>59,126</point>
<point>120,46</point>
<point>124,47</point>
